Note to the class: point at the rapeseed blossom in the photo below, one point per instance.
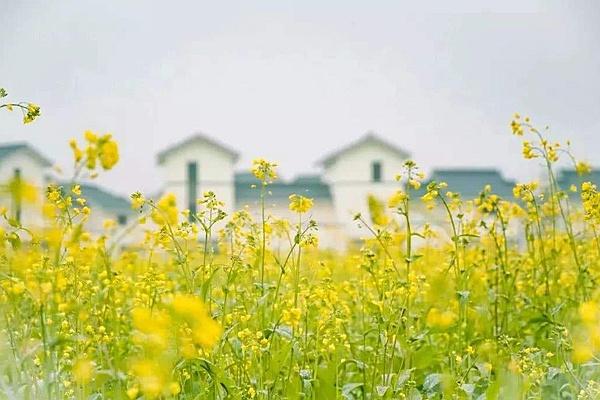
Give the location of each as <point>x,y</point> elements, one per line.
<point>300,204</point>
<point>165,211</point>
<point>264,170</point>
<point>443,296</point>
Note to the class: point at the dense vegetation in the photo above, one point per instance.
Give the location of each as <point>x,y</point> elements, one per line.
<point>501,303</point>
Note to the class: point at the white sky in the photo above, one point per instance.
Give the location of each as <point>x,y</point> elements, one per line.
<point>292,81</point>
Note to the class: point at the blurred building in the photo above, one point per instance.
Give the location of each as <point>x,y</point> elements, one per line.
<point>348,175</point>
<point>25,173</point>
<point>198,164</point>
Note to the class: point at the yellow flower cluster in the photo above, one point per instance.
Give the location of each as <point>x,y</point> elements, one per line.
<point>190,310</point>
<point>165,211</point>
<point>32,112</point>
<point>180,328</point>
<point>300,204</point>
<point>99,148</point>
<point>582,168</point>
<point>587,342</point>
<point>264,170</point>
<point>525,191</point>
<point>397,199</point>
<point>440,319</point>
<point>590,198</point>
<point>474,298</point>
<point>377,211</point>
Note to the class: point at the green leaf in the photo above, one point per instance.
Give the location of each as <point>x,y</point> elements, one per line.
<point>284,331</point>
<point>206,284</point>
<point>403,377</point>
<point>348,388</point>
<point>468,388</point>
<point>414,394</point>
<point>14,240</point>
<point>381,390</point>
<point>432,382</point>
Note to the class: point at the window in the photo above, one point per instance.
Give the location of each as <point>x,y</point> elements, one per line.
<point>192,187</point>
<point>17,194</point>
<point>122,219</point>
<point>376,171</point>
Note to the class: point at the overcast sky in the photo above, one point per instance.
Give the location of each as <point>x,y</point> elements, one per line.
<point>292,81</point>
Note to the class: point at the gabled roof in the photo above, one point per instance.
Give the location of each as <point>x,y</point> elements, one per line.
<point>196,137</point>
<point>312,186</point>
<point>567,177</point>
<point>6,150</point>
<point>102,198</point>
<point>469,182</point>
<point>369,137</point>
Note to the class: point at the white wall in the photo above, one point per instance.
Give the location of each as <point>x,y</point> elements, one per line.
<point>215,172</point>
<point>32,172</point>
<point>349,177</point>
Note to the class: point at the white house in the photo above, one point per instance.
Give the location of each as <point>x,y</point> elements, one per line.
<point>196,165</point>
<point>200,163</point>
<point>367,166</point>
<point>20,162</point>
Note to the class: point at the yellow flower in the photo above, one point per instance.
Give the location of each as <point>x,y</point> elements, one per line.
<point>588,312</point>
<point>300,204</point>
<point>151,376</point>
<point>109,224</point>
<point>440,319</point>
<point>133,392</point>
<point>90,136</point>
<point>77,153</point>
<point>92,154</point>
<point>33,111</point>
<point>525,191</point>
<point>153,327</point>
<point>377,211</point>
<point>291,316</point>
<point>264,170</point>
<point>166,210</point>
<point>396,199</point>
<point>109,152</point>
<point>205,331</point>
<point>137,200</point>
<point>528,150</point>
<point>583,168</point>
<point>582,352</point>
<point>415,184</point>
<point>174,388</point>
<point>187,305</point>
<point>83,371</point>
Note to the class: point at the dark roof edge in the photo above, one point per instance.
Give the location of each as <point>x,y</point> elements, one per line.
<point>27,146</point>
<point>369,136</point>
<point>162,155</point>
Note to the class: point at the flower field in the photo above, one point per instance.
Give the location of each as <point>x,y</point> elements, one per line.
<point>499,303</point>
